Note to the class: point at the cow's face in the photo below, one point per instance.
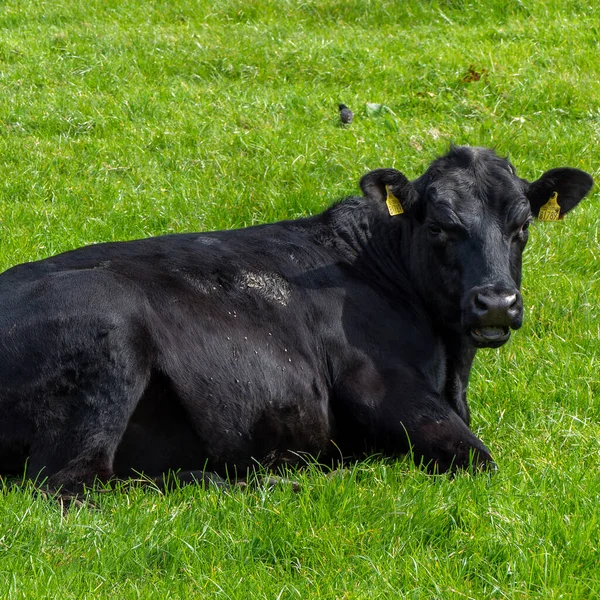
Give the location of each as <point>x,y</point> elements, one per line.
<point>468,222</point>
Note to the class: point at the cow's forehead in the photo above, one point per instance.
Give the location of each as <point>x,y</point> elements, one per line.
<point>473,183</point>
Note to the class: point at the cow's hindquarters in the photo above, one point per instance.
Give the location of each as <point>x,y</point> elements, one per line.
<point>74,367</point>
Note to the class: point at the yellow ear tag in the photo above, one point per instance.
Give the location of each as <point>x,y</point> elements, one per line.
<point>393,203</point>
<point>551,210</point>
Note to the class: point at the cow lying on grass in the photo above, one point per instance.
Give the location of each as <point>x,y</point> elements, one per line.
<point>347,332</point>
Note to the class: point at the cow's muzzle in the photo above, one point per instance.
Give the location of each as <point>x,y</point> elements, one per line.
<point>489,337</point>
<point>489,313</point>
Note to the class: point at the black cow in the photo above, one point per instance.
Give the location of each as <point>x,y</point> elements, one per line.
<point>347,332</point>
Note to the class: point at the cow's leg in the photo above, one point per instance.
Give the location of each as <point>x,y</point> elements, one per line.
<point>81,418</point>
<point>444,442</point>
<point>438,438</point>
<point>81,449</point>
<point>404,413</point>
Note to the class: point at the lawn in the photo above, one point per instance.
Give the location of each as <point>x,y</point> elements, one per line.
<point>125,119</point>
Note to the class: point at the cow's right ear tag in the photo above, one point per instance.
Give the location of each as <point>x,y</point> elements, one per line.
<point>551,210</point>
<point>393,204</point>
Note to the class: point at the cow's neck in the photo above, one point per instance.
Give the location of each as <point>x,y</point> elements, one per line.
<point>366,241</point>
<point>381,253</point>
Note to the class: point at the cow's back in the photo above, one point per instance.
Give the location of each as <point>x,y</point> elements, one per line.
<point>226,327</point>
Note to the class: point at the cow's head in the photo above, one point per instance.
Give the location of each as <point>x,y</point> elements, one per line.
<point>464,228</point>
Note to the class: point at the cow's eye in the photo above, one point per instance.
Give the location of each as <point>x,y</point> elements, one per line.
<point>434,229</point>
<point>525,226</point>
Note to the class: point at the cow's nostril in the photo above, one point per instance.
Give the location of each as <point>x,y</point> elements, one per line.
<point>496,303</point>
<point>480,302</point>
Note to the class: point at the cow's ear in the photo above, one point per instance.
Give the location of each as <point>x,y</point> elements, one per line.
<point>569,185</point>
<point>391,186</point>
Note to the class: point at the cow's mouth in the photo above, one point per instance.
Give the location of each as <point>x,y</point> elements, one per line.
<point>489,337</point>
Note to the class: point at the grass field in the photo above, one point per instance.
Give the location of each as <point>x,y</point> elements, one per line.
<point>124,119</point>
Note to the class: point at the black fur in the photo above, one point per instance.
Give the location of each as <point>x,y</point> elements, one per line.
<point>351,331</point>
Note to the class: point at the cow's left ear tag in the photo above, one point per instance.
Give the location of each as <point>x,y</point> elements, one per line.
<point>393,204</point>
<point>551,210</point>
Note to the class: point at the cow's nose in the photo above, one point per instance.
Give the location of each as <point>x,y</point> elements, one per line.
<point>497,308</point>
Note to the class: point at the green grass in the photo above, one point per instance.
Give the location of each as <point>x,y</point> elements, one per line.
<point>123,119</point>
